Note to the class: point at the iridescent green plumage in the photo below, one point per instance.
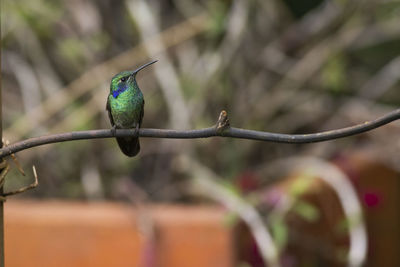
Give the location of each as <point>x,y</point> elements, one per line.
<point>125,105</point>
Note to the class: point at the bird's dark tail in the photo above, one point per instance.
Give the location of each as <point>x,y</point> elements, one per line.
<point>130,146</point>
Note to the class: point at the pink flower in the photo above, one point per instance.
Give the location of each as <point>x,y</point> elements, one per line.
<point>371,199</point>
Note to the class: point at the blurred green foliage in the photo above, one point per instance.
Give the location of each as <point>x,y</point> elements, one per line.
<point>282,66</point>
<point>334,74</point>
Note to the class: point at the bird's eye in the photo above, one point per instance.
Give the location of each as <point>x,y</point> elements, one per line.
<point>123,79</point>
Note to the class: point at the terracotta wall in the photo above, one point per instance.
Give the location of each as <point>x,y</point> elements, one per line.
<point>110,234</point>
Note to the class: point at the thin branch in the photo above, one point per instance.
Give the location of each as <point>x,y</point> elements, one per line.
<point>225,131</point>
<point>25,188</point>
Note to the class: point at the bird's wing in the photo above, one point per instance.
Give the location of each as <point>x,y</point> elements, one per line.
<point>108,108</point>
<point>141,113</point>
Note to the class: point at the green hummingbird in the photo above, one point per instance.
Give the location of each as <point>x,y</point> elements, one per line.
<point>125,105</point>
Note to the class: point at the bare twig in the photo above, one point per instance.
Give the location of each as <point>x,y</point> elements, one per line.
<point>16,162</point>
<point>4,171</point>
<point>204,133</point>
<point>25,188</point>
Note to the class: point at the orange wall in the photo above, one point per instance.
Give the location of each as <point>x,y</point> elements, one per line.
<point>110,234</point>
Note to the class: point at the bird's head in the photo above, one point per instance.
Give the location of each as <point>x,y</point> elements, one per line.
<point>125,79</point>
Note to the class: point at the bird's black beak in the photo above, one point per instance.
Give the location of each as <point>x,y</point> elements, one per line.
<point>142,67</point>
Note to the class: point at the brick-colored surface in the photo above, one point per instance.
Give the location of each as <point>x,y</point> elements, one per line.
<point>325,241</point>
<point>111,234</point>
<point>383,218</point>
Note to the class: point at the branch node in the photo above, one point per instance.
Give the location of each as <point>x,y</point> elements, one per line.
<point>222,123</point>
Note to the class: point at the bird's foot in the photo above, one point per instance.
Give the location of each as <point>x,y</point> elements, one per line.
<point>137,130</point>
<point>113,130</point>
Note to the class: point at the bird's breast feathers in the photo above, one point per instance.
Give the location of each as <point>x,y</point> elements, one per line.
<point>125,109</point>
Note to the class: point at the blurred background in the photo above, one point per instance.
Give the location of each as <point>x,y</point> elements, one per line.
<point>282,66</point>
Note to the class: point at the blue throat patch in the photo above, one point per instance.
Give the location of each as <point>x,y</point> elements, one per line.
<point>121,88</point>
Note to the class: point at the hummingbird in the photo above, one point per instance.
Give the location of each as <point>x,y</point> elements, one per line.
<point>125,106</point>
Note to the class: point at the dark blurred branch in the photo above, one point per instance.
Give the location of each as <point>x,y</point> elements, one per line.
<point>222,129</point>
